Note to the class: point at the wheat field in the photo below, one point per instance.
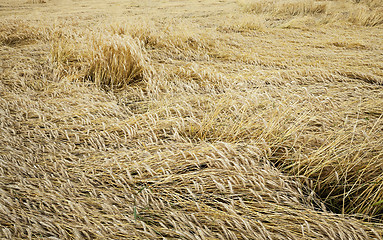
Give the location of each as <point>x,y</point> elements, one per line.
<point>213,119</point>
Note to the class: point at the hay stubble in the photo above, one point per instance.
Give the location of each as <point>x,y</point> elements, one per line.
<point>119,126</point>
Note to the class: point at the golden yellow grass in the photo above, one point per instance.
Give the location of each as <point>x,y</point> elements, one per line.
<point>111,61</point>
<point>366,13</point>
<point>191,120</point>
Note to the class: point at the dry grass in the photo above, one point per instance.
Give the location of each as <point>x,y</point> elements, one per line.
<point>36,1</point>
<point>112,62</point>
<point>17,32</point>
<point>191,120</point>
<point>365,13</point>
<point>288,7</point>
<point>116,62</point>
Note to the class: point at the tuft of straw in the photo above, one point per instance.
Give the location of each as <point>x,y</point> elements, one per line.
<point>116,61</point>
<point>111,62</point>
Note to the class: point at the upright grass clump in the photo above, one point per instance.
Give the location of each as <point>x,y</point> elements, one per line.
<point>37,1</point>
<point>110,61</point>
<point>366,16</point>
<point>117,61</point>
<point>300,7</point>
<point>285,7</point>
<point>370,3</point>
<point>365,13</point>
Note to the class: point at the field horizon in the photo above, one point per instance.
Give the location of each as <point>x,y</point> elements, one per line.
<point>229,119</point>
